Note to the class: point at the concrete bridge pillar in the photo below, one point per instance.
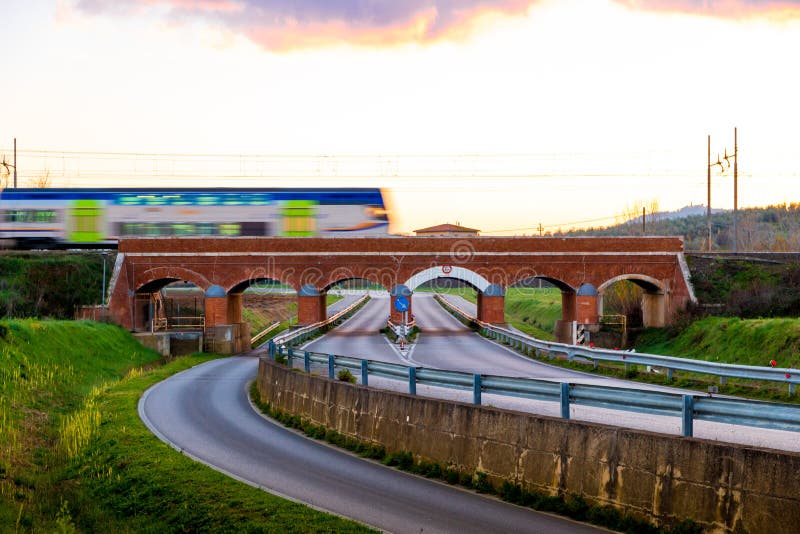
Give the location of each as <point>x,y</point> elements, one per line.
<point>311,305</point>
<point>216,306</point>
<point>654,309</point>
<point>491,304</point>
<point>586,301</point>
<point>400,290</point>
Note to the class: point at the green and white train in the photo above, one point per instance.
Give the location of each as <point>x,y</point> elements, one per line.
<point>86,218</point>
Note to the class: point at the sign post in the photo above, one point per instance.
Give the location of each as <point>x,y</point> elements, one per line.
<point>402,304</point>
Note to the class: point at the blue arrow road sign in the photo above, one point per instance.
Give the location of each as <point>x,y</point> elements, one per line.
<point>401,304</point>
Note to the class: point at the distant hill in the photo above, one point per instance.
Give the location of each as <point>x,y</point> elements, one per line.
<point>773,228</point>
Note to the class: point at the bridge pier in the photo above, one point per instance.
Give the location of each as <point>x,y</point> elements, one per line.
<point>654,309</point>
<point>216,306</point>
<point>311,306</point>
<point>586,304</point>
<point>492,305</point>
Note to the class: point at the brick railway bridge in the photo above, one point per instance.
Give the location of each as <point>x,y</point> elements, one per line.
<point>582,268</point>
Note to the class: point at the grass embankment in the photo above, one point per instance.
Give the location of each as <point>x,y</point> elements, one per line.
<point>729,340</point>
<point>717,339</point>
<point>76,457</point>
<point>282,310</point>
<point>531,310</point>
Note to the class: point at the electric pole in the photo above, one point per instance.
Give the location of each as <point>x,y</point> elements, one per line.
<point>644,228</point>
<point>735,189</point>
<point>708,203</point>
<point>15,163</point>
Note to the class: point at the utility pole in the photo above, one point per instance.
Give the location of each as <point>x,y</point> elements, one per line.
<point>735,189</point>
<point>15,163</point>
<point>644,228</point>
<point>541,229</point>
<point>708,204</point>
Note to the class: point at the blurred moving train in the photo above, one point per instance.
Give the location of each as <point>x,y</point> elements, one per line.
<point>85,218</point>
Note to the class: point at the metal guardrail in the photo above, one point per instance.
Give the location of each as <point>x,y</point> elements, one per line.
<point>688,407</point>
<point>303,333</point>
<point>264,332</point>
<point>668,363</point>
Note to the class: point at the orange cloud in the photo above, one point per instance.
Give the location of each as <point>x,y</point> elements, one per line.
<point>291,24</point>
<point>732,9</point>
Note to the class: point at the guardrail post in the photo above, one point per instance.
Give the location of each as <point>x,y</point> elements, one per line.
<point>722,380</point>
<point>791,388</point>
<point>595,364</point>
<point>331,366</point>
<point>564,400</point>
<point>687,416</point>
<point>412,380</point>
<point>669,375</point>
<point>364,373</point>
<point>307,361</point>
<point>477,387</point>
<point>289,356</point>
<point>271,350</point>
<point>570,356</point>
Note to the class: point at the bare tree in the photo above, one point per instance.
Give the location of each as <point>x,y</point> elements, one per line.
<point>5,172</point>
<point>43,180</point>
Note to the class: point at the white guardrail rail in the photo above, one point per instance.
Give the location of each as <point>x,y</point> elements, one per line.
<point>668,364</point>
<point>303,333</point>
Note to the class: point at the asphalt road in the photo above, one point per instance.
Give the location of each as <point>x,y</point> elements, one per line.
<point>447,344</point>
<point>205,412</point>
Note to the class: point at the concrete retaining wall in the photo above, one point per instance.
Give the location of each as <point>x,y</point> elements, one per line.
<point>726,488</point>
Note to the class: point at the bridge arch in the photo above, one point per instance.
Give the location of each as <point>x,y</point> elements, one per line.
<point>648,283</point>
<point>243,285</point>
<point>448,271</point>
<point>654,298</point>
<point>560,284</point>
<point>156,278</point>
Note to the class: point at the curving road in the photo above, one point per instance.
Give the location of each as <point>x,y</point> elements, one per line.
<point>205,412</point>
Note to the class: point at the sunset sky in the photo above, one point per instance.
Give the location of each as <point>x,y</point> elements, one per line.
<point>498,114</point>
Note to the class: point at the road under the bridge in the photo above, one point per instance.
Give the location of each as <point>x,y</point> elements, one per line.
<point>205,412</point>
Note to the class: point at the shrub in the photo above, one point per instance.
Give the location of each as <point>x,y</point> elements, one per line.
<point>346,376</point>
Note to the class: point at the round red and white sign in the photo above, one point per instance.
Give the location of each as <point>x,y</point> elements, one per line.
<point>447,269</point>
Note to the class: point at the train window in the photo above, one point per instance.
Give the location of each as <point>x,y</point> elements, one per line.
<point>183,229</point>
<point>30,216</point>
<point>205,228</point>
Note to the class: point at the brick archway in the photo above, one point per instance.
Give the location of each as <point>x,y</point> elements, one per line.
<point>654,298</point>
<point>150,278</point>
<point>314,264</point>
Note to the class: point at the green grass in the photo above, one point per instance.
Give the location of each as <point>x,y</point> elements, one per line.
<point>76,457</point>
<point>531,310</point>
<point>729,340</point>
<point>534,311</point>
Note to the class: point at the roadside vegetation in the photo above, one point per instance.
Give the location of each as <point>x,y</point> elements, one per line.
<point>74,456</point>
<point>51,284</point>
